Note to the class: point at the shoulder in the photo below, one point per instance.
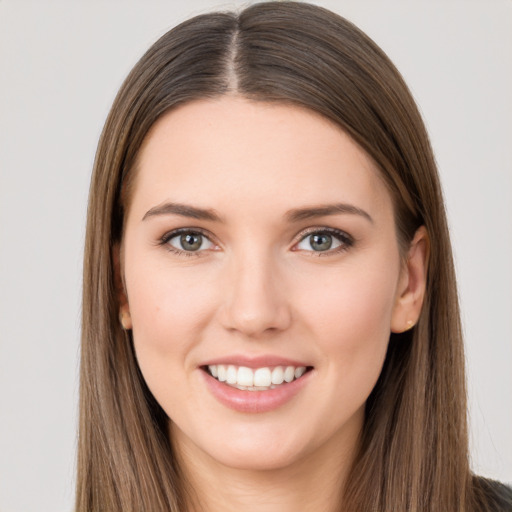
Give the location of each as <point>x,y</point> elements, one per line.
<point>493,496</point>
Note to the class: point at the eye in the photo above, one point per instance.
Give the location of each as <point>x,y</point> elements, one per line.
<point>325,241</point>
<point>188,241</point>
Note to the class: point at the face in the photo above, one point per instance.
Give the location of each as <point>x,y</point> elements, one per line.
<point>262,277</point>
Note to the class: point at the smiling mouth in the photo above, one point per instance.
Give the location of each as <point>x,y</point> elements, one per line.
<point>255,379</point>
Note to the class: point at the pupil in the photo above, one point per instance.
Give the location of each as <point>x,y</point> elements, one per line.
<point>321,242</point>
<point>191,242</point>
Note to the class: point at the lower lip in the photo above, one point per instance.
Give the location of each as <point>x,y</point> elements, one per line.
<point>254,401</point>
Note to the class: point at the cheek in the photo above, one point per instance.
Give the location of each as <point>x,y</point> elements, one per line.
<point>350,321</point>
<point>168,314</point>
<point>169,310</point>
<point>350,316</point>
<point>354,301</point>
<point>164,300</point>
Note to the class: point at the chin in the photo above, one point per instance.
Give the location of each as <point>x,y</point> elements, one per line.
<point>243,447</point>
<point>252,459</point>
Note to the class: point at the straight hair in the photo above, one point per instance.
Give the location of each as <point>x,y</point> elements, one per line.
<point>414,450</point>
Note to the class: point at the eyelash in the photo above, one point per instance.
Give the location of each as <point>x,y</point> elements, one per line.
<point>346,241</point>
<point>164,241</point>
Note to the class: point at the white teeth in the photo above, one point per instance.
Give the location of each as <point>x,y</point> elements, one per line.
<point>262,377</point>
<point>299,372</point>
<point>231,374</point>
<point>245,377</point>
<point>278,375</point>
<point>221,371</point>
<point>289,373</point>
<point>258,379</point>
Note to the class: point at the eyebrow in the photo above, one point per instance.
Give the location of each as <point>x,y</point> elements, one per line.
<point>183,210</point>
<point>295,215</point>
<point>324,210</point>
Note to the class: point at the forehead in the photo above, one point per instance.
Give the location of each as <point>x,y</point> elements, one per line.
<point>233,152</point>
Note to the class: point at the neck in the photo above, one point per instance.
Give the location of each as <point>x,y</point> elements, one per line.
<point>310,484</point>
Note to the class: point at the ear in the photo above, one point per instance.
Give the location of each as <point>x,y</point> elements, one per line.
<point>124,308</point>
<point>412,284</point>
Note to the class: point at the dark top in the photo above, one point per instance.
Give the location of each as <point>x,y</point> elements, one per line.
<point>493,496</point>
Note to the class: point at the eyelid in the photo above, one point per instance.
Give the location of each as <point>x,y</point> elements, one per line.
<point>346,240</point>
<point>178,231</point>
<point>164,240</point>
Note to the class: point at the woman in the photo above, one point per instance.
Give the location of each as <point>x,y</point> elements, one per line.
<point>270,310</point>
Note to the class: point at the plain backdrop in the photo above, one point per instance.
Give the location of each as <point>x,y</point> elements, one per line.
<point>61,64</point>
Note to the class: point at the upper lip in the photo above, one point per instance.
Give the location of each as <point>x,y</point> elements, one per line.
<point>254,361</point>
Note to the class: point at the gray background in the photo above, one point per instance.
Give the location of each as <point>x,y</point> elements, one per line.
<point>61,64</point>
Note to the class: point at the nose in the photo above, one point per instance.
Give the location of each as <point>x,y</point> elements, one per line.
<point>255,301</point>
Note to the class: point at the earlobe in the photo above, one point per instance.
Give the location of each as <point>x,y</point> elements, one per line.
<point>412,285</point>
<point>125,319</point>
<point>124,309</point>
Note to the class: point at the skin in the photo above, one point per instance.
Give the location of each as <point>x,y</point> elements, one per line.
<point>257,287</point>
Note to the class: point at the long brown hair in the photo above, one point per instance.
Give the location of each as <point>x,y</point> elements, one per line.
<point>414,454</point>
